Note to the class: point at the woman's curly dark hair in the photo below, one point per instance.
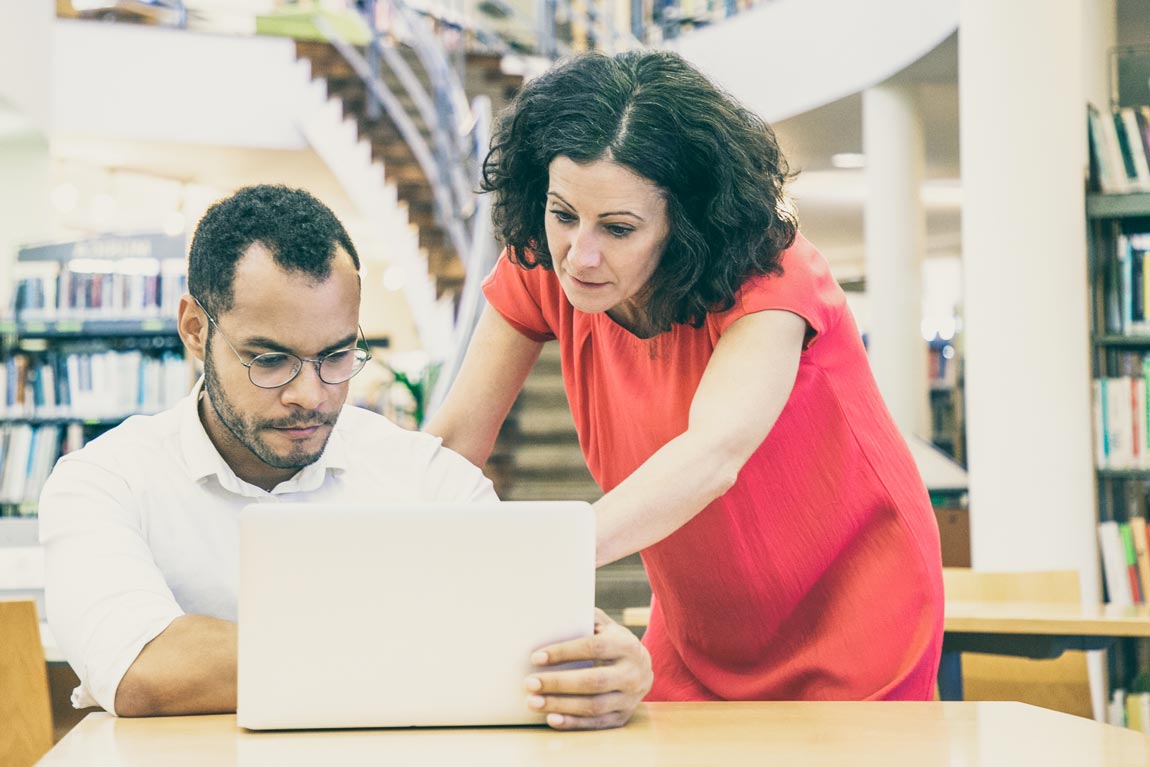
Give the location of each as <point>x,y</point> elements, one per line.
<point>717,164</point>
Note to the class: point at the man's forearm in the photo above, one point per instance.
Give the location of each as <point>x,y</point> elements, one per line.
<point>190,668</point>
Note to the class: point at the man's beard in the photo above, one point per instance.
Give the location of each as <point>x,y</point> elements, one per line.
<point>247,431</point>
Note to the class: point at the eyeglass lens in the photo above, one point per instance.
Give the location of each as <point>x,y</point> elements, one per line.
<point>275,369</point>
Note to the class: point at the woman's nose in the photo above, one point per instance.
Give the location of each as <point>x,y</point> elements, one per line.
<point>585,251</point>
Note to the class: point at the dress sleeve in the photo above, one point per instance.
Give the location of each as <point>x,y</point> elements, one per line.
<point>805,287</point>
<point>516,293</point>
<point>106,597</point>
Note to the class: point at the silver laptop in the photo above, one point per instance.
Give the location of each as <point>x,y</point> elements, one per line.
<point>405,616</point>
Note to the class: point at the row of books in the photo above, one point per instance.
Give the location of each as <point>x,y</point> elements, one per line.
<point>1128,294</point>
<point>942,365</point>
<point>1130,710</point>
<point>1125,560</point>
<point>1122,418</point>
<point>103,384</point>
<point>27,455</point>
<point>60,290</point>
<point>598,23</point>
<point>1120,148</point>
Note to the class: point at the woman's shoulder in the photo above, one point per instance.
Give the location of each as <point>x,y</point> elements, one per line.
<point>801,263</point>
<point>531,299</point>
<point>803,285</point>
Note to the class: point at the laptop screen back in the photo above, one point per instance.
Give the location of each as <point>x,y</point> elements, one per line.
<point>420,615</point>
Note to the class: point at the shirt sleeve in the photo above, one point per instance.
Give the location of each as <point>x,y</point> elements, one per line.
<point>452,478</point>
<point>805,287</point>
<point>514,292</point>
<point>105,596</point>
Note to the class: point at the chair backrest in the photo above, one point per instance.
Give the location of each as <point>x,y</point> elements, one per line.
<point>1062,684</point>
<point>25,709</point>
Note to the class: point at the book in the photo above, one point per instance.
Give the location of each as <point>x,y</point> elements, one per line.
<point>1125,153</point>
<point>1098,410</point>
<point>1114,564</point>
<point>1137,149</point>
<point>1131,559</point>
<point>1107,176</point>
<point>1138,531</point>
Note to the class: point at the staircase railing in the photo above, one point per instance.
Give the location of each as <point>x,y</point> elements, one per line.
<point>483,254</point>
<point>450,159</point>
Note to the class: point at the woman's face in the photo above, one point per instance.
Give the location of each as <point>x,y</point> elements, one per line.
<point>606,229</point>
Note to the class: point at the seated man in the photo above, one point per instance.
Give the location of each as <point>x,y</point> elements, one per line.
<point>141,529</point>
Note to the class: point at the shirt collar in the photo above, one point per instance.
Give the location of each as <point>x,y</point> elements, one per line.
<point>203,460</point>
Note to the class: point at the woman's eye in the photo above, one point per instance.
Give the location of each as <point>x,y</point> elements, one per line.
<point>620,231</point>
<point>562,216</point>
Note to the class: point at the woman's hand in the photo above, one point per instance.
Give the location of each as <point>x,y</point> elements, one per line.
<point>599,696</point>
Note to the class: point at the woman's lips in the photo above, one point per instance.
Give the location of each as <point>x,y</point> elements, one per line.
<point>585,284</point>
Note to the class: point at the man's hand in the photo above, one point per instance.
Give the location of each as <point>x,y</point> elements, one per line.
<point>600,696</point>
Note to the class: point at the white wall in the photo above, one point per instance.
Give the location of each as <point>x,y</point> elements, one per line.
<point>150,84</point>
<point>25,122</point>
<point>789,56</point>
<point>24,211</point>
<point>25,53</point>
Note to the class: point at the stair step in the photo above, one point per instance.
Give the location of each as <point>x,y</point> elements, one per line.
<point>538,397</point>
<point>563,473</point>
<point>536,439</point>
<point>548,365</point>
<point>543,457</point>
<point>619,586</point>
<point>554,491</point>
<point>547,421</point>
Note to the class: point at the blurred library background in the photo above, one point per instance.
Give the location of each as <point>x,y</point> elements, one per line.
<point>994,240</point>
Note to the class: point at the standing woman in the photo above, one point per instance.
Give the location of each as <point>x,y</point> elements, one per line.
<point>718,383</point>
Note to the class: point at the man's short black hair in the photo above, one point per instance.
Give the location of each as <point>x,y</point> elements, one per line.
<point>300,232</point>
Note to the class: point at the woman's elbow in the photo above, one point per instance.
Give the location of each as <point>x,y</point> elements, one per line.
<point>725,478</point>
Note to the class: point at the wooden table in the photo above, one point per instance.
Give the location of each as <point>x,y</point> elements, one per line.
<point>661,735</point>
<point>1022,629</point>
<point>1030,630</point>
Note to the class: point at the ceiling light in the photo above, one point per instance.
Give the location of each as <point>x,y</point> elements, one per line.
<point>175,224</point>
<point>65,197</point>
<point>103,208</point>
<point>394,278</point>
<point>849,160</point>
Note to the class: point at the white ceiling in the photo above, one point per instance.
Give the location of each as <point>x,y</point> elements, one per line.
<point>830,201</point>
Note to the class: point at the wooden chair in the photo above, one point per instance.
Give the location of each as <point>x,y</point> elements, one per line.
<point>25,710</point>
<point>1061,684</point>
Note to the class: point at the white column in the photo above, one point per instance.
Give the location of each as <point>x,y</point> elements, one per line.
<point>1023,133</point>
<point>25,118</point>
<point>1101,34</point>
<point>895,241</point>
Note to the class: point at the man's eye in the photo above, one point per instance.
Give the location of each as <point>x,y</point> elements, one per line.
<point>271,361</point>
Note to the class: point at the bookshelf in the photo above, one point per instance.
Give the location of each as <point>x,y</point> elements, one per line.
<point>89,339</point>
<point>1120,357</point>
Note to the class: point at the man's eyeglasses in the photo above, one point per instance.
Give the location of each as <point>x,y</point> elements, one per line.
<point>275,369</point>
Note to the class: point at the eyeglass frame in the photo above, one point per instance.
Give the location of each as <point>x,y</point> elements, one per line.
<point>317,361</point>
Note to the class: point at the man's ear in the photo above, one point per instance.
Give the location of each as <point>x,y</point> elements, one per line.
<point>192,325</point>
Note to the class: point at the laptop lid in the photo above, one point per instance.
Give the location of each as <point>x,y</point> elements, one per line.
<point>401,616</point>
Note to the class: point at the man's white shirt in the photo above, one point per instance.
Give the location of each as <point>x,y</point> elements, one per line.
<point>141,526</point>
